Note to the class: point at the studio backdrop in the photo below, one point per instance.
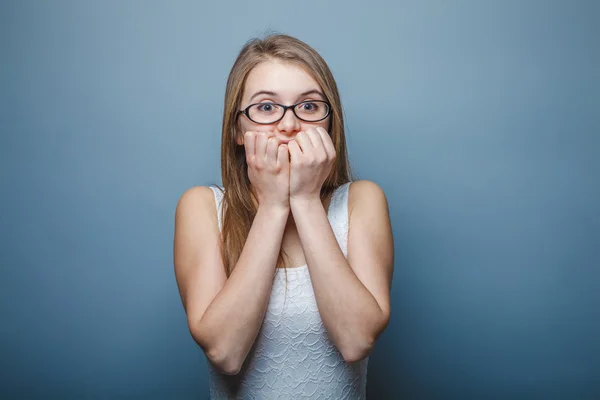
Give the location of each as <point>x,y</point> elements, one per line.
<point>479,119</point>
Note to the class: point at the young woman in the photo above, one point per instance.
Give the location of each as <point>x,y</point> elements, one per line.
<point>285,272</point>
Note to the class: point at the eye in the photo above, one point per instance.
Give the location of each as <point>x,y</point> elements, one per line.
<point>266,108</point>
<point>309,107</point>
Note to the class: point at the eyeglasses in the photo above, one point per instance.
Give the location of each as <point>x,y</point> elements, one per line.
<point>269,113</point>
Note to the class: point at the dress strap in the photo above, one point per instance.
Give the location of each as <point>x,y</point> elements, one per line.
<point>338,215</point>
<point>218,193</point>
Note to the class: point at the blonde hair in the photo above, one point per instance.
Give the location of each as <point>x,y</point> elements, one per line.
<point>239,209</point>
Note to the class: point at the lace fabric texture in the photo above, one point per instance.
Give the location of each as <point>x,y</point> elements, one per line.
<point>293,357</point>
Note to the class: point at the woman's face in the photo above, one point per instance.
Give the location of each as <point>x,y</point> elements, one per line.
<point>284,83</point>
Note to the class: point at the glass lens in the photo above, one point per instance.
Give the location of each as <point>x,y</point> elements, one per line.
<point>265,113</point>
<point>312,110</point>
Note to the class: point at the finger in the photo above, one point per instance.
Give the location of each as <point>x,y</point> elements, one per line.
<point>303,142</point>
<point>283,155</point>
<point>317,142</point>
<point>272,149</point>
<point>260,150</point>
<point>295,151</point>
<point>327,142</point>
<point>249,144</point>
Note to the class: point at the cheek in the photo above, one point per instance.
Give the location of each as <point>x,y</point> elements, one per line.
<point>322,124</point>
<point>245,125</point>
<point>325,125</point>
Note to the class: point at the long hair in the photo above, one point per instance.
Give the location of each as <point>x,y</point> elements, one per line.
<point>239,209</point>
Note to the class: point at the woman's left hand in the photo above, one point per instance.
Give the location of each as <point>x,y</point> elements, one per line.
<point>311,157</point>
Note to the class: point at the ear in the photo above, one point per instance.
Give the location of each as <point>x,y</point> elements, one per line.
<point>239,136</point>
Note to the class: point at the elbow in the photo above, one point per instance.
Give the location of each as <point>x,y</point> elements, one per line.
<point>223,363</point>
<point>221,359</point>
<point>357,351</point>
<point>362,345</point>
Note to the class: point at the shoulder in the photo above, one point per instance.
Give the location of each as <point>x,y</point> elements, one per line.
<point>196,201</point>
<point>366,194</point>
<point>199,269</point>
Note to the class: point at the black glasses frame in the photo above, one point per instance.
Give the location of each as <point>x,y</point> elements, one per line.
<point>246,111</point>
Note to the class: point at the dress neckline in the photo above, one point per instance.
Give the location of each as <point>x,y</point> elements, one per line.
<point>299,268</point>
<point>304,267</point>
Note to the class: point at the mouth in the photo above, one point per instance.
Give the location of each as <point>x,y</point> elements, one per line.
<point>285,141</point>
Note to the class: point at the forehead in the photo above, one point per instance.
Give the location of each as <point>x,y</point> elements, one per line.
<point>284,78</point>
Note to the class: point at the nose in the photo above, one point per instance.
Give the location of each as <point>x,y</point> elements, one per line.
<point>289,123</point>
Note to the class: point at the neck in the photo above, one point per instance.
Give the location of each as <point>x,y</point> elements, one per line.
<point>290,222</point>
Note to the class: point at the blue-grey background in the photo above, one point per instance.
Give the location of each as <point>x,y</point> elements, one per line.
<point>480,120</point>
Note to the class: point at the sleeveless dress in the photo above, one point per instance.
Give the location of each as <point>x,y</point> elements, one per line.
<point>293,357</point>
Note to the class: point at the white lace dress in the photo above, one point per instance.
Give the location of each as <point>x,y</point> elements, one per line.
<point>293,357</point>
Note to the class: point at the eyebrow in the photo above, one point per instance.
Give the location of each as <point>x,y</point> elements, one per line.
<point>270,93</point>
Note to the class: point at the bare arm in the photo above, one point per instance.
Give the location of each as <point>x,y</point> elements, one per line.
<point>352,294</point>
<point>224,315</point>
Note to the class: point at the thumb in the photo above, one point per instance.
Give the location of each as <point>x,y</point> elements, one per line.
<point>283,155</point>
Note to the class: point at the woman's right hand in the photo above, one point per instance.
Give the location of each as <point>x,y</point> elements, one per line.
<point>268,168</point>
